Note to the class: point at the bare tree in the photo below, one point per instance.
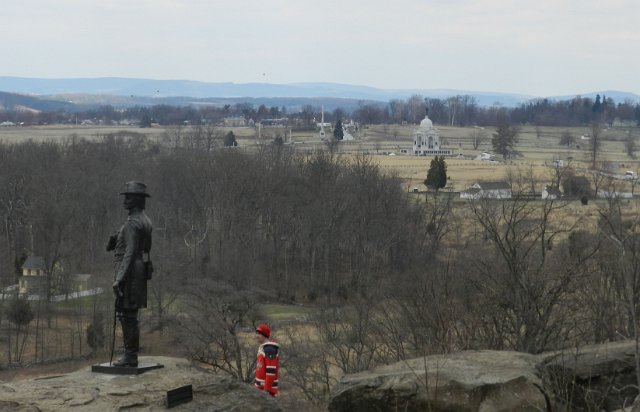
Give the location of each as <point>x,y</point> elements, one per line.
<point>453,105</point>
<point>566,139</point>
<point>346,333</point>
<point>173,136</point>
<point>211,329</point>
<point>13,210</point>
<point>559,172</point>
<point>538,130</point>
<point>594,143</point>
<point>527,291</point>
<point>619,228</point>
<point>309,367</point>
<point>478,136</point>
<point>630,145</point>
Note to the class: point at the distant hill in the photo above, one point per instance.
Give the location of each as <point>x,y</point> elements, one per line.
<point>125,92</point>
<point>137,88</point>
<point>616,95</point>
<point>17,102</point>
<point>292,104</point>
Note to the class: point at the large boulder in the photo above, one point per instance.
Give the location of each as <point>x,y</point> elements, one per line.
<point>596,377</point>
<point>465,381</point>
<point>88,391</point>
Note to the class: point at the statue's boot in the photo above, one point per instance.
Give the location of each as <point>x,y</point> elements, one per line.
<point>131,337</point>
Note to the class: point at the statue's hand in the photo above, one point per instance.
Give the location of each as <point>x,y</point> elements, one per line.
<point>111,244</point>
<point>117,289</point>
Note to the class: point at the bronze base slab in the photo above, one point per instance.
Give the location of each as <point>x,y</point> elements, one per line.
<point>125,370</point>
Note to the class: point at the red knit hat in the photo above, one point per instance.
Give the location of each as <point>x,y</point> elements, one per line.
<point>264,330</point>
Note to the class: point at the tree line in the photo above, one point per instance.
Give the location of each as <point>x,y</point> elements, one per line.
<point>461,110</point>
<point>258,217</point>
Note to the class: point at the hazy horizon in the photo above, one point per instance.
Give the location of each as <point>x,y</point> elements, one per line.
<point>538,48</point>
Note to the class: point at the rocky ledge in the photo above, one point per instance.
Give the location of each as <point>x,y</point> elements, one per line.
<point>88,391</point>
<point>598,377</point>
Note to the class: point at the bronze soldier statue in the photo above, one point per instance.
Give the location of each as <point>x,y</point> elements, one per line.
<point>131,246</point>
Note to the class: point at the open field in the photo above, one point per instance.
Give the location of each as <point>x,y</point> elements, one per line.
<point>536,152</point>
<point>60,132</point>
<point>279,312</point>
<point>538,147</point>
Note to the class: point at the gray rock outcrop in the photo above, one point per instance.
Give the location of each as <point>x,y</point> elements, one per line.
<point>88,391</point>
<point>594,377</point>
<point>464,381</point>
<point>598,377</point>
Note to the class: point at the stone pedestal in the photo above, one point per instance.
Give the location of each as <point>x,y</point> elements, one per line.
<point>125,370</point>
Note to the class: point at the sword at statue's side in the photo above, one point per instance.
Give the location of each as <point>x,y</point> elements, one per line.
<point>113,333</point>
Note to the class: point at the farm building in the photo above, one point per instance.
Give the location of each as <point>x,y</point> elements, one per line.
<point>34,277</point>
<point>490,190</point>
<point>234,122</point>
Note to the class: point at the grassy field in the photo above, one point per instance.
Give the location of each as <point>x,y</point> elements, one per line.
<point>277,312</point>
<point>537,152</point>
<point>538,148</point>
<point>60,132</point>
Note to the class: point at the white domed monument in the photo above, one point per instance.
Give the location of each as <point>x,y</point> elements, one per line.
<point>427,140</point>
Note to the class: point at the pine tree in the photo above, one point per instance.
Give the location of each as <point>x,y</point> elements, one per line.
<point>338,133</point>
<point>597,106</point>
<point>145,121</point>
<point>505,139</point>
<point>230,140</point>
<point>437,174</point>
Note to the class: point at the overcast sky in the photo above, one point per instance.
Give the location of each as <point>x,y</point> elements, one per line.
<point>535,47</point>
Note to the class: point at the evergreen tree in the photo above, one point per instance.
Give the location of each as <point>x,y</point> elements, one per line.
<point>19,312</point>
<point>145,121</point>
<point>505,139</point>
<point>597,106</point>
<point>437,173</point>
<point>338,133</point>
<point>230,140</point>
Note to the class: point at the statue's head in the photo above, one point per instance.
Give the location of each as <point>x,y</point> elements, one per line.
<point>135,195</point>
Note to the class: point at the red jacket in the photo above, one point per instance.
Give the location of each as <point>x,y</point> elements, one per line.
<point>267,368</point>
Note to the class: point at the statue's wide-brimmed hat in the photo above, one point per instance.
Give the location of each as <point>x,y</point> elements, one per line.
<point>135,188</point>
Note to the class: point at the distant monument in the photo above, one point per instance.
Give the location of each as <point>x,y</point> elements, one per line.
<point>427,140</point>
<point>322,134</point>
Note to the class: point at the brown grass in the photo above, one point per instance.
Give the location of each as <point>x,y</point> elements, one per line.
<point>379,140</point>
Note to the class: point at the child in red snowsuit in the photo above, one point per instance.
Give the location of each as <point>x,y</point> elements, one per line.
<point>267,361</point>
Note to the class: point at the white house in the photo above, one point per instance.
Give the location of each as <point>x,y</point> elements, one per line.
<point>485,156</point>
<point>471,193</point>
<point>488,190</point>
<point>234,121</point>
